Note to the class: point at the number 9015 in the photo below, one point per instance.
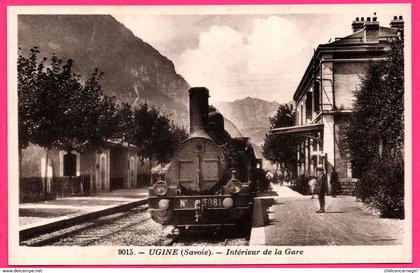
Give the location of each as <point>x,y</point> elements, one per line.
<point>125,251</point>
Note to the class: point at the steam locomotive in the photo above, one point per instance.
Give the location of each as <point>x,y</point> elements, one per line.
<point>212,178</point>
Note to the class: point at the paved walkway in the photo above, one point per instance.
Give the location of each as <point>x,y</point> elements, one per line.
<point>33,214</point>
<point>293,221</point>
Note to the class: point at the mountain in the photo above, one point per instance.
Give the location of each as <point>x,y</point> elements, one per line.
<point>250,115</point>
<point>133,70</point>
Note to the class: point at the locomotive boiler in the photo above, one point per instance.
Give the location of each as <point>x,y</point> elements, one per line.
<point>212,178</point>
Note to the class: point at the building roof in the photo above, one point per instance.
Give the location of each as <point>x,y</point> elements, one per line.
<point>355,42</point>
<point>120,143</point>
<point>358,37</point>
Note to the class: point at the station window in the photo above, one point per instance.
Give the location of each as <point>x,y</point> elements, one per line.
<point>308,106</point>
<point>316,97</point>
<point>301,114</point>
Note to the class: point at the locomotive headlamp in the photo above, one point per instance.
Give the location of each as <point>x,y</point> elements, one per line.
<point>234,185</point>
<point>227,203</point>
<point>163,204</point>
<point>160,187</point>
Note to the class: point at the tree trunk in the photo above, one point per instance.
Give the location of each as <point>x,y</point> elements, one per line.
<point>20,162</point>
<point>45,180</point>
<point>150,171</point>
<point>92,176</point>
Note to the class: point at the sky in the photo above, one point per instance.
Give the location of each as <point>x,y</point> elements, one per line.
<point>245,55</point>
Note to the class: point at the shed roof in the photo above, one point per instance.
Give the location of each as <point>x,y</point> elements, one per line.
<point>298,129</point>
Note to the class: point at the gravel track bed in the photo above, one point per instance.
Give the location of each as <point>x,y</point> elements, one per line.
<point>134,228</point>
<point>223,237</point>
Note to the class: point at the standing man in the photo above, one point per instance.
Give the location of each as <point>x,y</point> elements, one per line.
<point>281,176</point>
<point>323,186</point>
<point>286,175</point>
<point>334,183</point>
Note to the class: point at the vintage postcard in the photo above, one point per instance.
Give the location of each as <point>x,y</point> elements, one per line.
<point>168,135</point>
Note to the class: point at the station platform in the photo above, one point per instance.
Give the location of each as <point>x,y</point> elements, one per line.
<point>34,217</point>
<point>291,220</point>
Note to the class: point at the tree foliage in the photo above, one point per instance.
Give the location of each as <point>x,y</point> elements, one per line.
<point>375,136</point>
<point>28,90</point>
<point>277,148</point>
<point>56,109</point>
<point>154,134</point>
<point>284,117</point>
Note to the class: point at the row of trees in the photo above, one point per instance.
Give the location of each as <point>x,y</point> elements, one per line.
<point>375,135</point>
<point>280,148</point>
<point>57,109</point>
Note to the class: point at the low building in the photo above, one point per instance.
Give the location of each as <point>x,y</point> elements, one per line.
<point>123,166</point>
<point>97,169</point>
<point>325,95</point>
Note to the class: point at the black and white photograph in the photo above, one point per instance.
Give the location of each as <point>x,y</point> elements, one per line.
<point>209,134</point>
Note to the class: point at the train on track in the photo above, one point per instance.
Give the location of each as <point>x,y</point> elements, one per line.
<point>212,179</point>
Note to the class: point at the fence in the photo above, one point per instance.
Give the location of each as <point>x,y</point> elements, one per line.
<point>116,183</point>
<point>34,189</point>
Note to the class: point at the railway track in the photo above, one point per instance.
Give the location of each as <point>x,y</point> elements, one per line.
<point>33,232</point>
<point>133,227</point>
<point>100,226</point>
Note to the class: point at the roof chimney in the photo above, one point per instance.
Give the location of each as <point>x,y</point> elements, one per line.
<point>397,23</point>
<point>357,25</point>
<point>372,30</point>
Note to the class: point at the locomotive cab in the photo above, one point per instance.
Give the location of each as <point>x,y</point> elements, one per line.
<point>209,181</point>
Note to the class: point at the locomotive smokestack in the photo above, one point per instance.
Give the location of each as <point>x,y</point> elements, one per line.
<point>199,110</point>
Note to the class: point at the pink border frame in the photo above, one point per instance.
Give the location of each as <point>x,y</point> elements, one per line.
<point>415,116</point>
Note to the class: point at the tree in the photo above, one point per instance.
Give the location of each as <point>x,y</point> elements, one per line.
<point>155,135</point>
<point>56,110</point>
<point>284,117</point>
<point>375,133</point>
<point>277,148</point>
<point>94,118</point>
<point>28,78</point>
<point>43,94</point>
<point>125,116</point>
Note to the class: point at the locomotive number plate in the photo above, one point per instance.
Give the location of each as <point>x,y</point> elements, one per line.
<point>191,203</point>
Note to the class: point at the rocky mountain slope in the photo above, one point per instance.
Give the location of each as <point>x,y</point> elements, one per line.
<point>133,70</point>
<point>250,115</point>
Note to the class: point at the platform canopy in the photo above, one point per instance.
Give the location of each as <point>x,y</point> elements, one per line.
<point>306,130</point>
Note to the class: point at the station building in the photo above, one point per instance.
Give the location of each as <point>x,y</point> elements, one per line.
<point>324,97</point>
<point>114,166</point>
